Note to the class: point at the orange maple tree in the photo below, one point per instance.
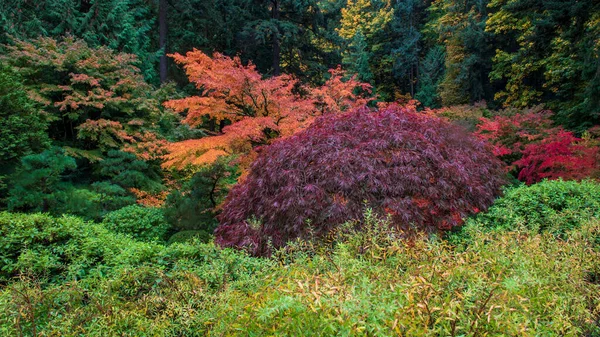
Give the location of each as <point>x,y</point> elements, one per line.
<point>259,109</point>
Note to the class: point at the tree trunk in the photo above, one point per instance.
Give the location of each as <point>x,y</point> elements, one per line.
<point>412,81</point>
<point>162,39</point>
<point>276,46</point>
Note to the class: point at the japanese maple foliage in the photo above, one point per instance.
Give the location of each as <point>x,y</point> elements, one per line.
<point>535,149</point>
<point>423,171</point>
<point>558,156</point>
<point>260,109</point>
<point>511,133</point>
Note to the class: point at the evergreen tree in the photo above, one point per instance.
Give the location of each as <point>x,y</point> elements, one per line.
<point>284,33</point>
<point>128,171</point>
<point>356,59</point>
<point>39,184</point>
<point>371,18</point>
<point>460,27</point>
<point>22,124</point>
<point>431,73</point>
<point>405,47</point>
<point>122,25</point>
<point>549,52</point>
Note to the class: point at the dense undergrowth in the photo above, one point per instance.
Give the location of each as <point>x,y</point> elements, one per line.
<point>496,276</point>
<point>148,188</point>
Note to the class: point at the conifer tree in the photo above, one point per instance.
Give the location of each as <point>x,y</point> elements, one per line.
<point>549,51</point>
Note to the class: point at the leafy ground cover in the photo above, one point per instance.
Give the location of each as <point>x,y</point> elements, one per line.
<point>485,280</point>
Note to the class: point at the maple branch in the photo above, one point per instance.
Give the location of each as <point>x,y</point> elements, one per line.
<point>265,102</point>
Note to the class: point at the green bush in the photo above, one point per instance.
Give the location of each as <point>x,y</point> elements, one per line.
<point>555,206</point>
<point>503,283</point>
<point>188,236</point>
<point>40,182</point>
<point>195,205</point>
<point>141,223</point>
<point>60,248</point>
<point>66,277</point>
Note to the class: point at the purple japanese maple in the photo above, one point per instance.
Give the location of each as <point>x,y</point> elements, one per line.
<point>424,172</point>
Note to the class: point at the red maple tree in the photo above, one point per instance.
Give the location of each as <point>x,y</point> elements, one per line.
<point>559,156</point>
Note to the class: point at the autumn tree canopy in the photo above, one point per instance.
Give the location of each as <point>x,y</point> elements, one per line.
<point>94,98</point>
<point>94,103</point>
<point>258,109</point>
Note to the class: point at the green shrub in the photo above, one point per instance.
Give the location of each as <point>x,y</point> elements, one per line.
<point>555,206</point>
<point>188,236</point>
<point>141,223</point>
<point>195,205</point>
<point>39,183</point>
<point>58,248</point>
<point>106,284</point>
<point>503,284</point>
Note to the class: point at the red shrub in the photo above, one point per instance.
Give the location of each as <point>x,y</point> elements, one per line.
<point>423,171</point>
<point>558,156</point>
<point>529,143</point>
<point>510,134</point>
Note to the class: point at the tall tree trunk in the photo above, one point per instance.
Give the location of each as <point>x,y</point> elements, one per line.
<point>418,74</point>
<point>412,81</point>
<point>162,39</point>
<point>276,45</point>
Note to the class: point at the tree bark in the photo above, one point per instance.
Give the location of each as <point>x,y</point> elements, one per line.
<point>162,39</point>
<point>276,46</point>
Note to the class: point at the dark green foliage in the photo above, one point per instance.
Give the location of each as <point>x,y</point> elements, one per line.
<point>212,25</point>
<point>356,59</point>
<point>43,183</point>
<point>110,197</point>
<point>432,72</point>
<point>141,223</point>
<point>22,124</point>
<point>127,170</point>
<point>123,25</point>
<point>282,34</point>
<point>189,236</point>
<point>406,43</point>
<point>195,205</point>
<point>39,183</point>
<point>555,206</point>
